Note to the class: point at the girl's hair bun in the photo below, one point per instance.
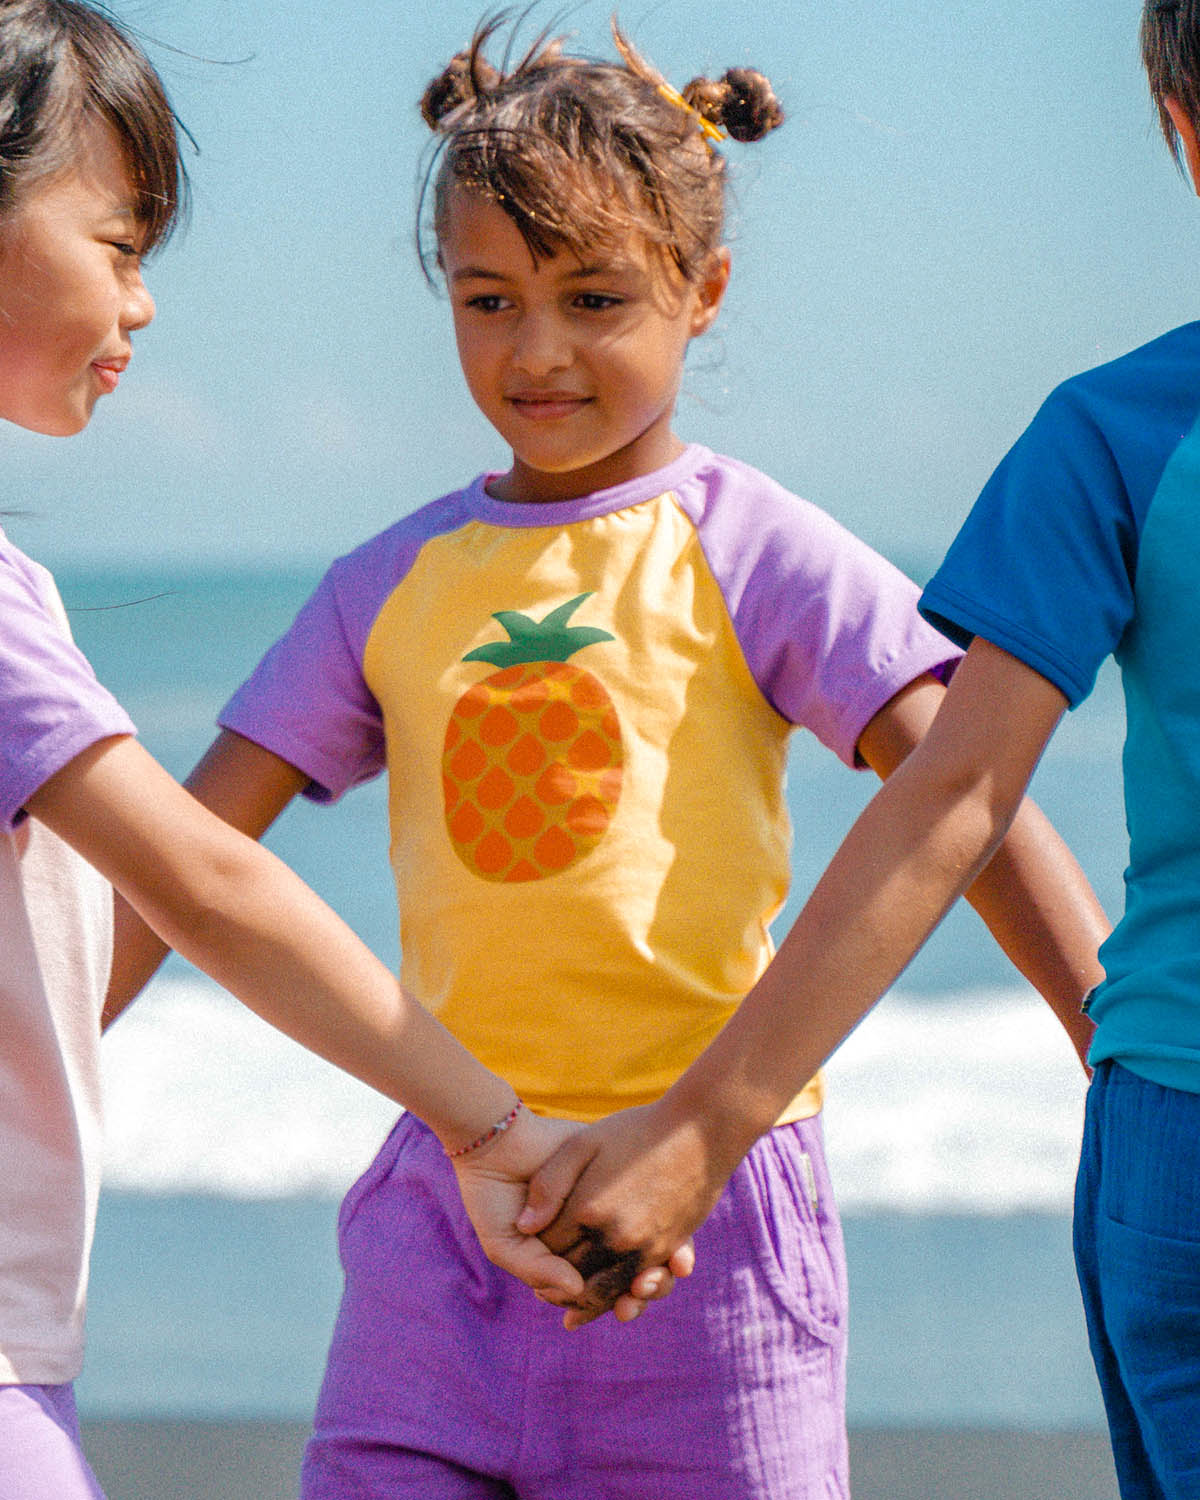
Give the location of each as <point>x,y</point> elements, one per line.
<point>742,103</point>
<point>466,76</point>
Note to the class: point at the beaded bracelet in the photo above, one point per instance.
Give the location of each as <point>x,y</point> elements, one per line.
<point>490,1135</point>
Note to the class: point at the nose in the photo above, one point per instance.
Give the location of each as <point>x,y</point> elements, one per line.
<point>540,344</point>
<point>139,307</point>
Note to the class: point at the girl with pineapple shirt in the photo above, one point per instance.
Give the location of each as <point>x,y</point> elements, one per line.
<point>581,675</point>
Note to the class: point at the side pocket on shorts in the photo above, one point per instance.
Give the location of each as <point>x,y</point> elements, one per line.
<point>385,1159</point>
<point>777,1200</point>
<point>1152,1301</point>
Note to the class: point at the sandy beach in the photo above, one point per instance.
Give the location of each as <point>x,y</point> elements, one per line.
<point>175,1460</point>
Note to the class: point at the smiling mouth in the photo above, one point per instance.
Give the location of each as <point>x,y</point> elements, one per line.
<point>548,406</point>
<point>109,371</point>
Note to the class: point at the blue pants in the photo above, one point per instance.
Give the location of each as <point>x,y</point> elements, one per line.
<point>1137,1251</point>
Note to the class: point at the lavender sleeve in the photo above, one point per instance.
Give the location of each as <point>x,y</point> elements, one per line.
<point>51,706</point>
<point>829,628</point>
<point>306,701</point>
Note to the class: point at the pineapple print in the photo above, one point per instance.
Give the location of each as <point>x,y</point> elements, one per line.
<point>532,764</point>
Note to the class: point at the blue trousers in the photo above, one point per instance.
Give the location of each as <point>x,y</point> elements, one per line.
<point>1137,1251</point>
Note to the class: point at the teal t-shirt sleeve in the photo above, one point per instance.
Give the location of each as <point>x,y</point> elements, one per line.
<point>1044,564</point>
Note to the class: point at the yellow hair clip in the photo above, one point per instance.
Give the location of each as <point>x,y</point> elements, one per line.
<point>710,131</point>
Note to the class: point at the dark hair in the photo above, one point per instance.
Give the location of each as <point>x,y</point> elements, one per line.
<point>63,62</point>
<point>577,151</point>
<point>1171,53</point>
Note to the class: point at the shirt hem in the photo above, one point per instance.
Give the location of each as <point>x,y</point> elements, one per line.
<point>39,1369</point>
<point>1177,1072</point>
<point>54,751</point>
<point>961,619</point>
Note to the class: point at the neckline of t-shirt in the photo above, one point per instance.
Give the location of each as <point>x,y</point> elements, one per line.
<point>486,507</point>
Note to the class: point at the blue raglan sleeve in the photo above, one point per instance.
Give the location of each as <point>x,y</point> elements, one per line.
<point>1044,565</point>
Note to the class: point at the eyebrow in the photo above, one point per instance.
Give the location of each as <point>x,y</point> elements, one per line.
<point>580,273</point>
<point>476,273</point>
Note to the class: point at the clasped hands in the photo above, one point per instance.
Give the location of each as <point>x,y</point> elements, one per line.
<point>598,1217</point>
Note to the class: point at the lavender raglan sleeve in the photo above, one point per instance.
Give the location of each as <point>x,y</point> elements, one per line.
<point>51,706</point>
<point>829,628</point>
<point>306,701</point>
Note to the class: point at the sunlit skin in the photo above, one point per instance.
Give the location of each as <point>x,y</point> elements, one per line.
<point>575,359</point>
<point>71,243</point>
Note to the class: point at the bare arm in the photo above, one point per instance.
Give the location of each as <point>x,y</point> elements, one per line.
<point>1032,895</point>
<point>650,1176</point>
<point>247,787</point>
<point>240,914</point>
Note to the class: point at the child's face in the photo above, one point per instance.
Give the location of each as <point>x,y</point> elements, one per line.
<point>71,290</point>
<point>575,362</point>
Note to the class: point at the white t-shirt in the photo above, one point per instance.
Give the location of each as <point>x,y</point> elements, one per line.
<point>55,953</point>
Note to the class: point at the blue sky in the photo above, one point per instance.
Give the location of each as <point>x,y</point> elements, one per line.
<point>967,204</point>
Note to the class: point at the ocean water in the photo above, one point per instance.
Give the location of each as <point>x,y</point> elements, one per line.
<point>952,1123</point>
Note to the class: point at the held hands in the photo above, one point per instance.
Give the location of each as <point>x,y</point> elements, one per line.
<point>619,1198</point>
<point>493,1181</point>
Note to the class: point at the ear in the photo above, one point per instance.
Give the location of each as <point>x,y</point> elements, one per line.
<point>710,290</point>
<point>1186,129</point>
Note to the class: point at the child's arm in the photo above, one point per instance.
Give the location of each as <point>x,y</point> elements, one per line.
<point>1032,895</point>
<point>248,787</point>
<point>646,1178</point>
<point>243,916</point>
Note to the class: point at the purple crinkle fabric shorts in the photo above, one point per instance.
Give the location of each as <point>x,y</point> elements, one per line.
<point>447,1379</point>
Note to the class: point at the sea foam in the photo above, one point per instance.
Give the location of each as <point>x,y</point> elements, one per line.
<point>950,1105</point>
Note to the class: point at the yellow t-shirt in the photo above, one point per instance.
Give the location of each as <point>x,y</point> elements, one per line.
<point>584,710</point>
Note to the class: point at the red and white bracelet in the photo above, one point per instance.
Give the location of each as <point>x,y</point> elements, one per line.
<point>490,1135</point>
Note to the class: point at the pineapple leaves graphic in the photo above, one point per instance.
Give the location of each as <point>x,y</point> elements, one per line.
<point>533,760</point>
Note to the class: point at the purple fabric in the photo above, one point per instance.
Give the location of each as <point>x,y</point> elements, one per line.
<point>447,1378</point>
<point>51,706</point>
<point>306,701</point>
<point>829,628</point>
<point>40,1453</point>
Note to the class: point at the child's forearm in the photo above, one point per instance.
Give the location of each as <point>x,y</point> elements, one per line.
<point>138,952</point>
<point>1039,907</point>
<point>644,1179</point>
<point>1032,894</point>
<point>241,915</point>
<point>247,787</point>
<point>898,871</point>
<point>919,845</point>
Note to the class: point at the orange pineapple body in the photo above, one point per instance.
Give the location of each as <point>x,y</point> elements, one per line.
<point>533,761</point>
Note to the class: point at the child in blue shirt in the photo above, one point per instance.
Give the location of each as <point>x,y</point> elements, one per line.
<point>1084,543</point>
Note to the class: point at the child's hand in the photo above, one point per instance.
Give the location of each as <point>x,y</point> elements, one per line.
<point>624,1195</point>
<point>493,1181</point>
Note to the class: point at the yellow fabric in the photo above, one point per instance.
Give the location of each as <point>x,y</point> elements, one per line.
<point>593,988</point>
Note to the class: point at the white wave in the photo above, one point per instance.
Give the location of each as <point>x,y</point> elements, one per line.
<point>203,1097</point>
<point>955,1105</point>
<point>969,1106</point>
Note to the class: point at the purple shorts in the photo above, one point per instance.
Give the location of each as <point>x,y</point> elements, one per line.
<point>40,1453</point>
<point>447,1379</point>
